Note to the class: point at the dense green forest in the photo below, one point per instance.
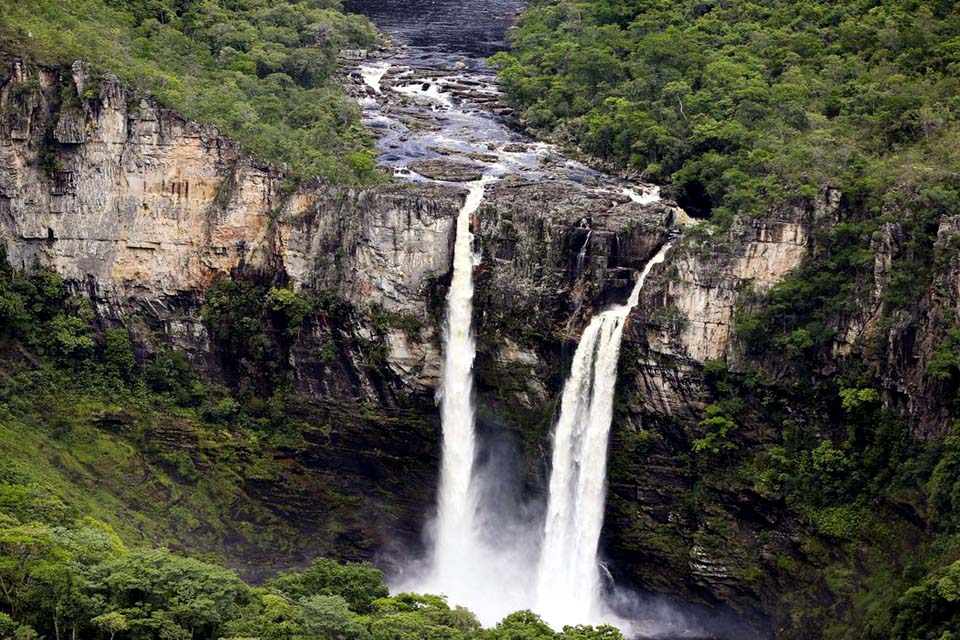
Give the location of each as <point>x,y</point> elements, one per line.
<point>744,105</point>
<point>81,581</point>
<point>261,70</point>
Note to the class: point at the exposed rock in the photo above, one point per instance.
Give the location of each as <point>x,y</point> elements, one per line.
<point>447,170</point>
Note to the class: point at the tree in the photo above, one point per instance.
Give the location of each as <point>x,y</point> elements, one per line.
<point>166,593</point>
<point>358,583</point>
<point>581,632</point>
<point>522,625</point>
<point>23,548</point>
<point>329,617</point>
<point>111,623</point>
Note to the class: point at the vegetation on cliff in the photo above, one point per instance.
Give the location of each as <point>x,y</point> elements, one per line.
<point>264,72</point>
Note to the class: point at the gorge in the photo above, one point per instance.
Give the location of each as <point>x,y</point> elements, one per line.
<point>472,561</point>
<point>442,321</point>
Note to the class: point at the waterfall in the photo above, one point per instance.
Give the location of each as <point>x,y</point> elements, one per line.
<point>568,578</point>
<point>582,254</point>
<point>457,499</point>
<point>479,559</point>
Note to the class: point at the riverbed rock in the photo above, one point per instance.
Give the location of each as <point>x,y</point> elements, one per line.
<point>447,170</point>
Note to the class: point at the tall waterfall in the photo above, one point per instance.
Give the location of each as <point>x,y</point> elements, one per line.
<point>568,578</point>
<point>457,500</point>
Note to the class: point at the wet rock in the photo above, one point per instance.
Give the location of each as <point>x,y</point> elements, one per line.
<point>447,170</point>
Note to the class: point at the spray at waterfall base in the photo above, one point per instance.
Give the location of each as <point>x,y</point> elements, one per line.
<point>494,562</point>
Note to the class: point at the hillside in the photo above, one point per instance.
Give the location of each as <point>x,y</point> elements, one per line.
<point>261,71</point>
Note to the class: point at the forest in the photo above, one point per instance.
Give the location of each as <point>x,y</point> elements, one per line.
<point>264,72</point>
<point>741,106</point>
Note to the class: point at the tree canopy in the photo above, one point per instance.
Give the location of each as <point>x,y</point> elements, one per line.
<point>261,70</point>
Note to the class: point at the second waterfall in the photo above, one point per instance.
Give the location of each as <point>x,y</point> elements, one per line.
<point>568,578</point>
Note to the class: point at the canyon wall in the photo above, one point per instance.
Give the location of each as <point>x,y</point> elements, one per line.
<point>141,210</point>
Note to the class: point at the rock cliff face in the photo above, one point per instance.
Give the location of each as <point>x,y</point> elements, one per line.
<point>141,210</point>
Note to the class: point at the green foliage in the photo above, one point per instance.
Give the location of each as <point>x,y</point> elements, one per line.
<point>239,313</point>
<point>112,623</point>
<point>522,625</point>
<point>944,484</point>
<point>170,374</point>
<point>331,617</point>
<point>81,578</point>
<point>410,616</point>
<point>929,610</point>
<point>357,583</point>
<point>159,592</point>
<point>719,433</point>
<point>746,106</point>
<point>944,363</point>
<point>853,400</point>
<point>118,358</point>
<point>294,309</point>
<point>580,632</point>
<point>263,72</point>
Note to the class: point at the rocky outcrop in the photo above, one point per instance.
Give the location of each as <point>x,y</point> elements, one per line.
<point>709,276</point>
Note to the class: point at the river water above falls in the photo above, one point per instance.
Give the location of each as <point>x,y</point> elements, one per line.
<point>434,108</point>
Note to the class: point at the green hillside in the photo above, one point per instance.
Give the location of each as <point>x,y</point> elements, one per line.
<point>261,70</point>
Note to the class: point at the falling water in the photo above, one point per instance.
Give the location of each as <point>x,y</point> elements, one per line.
<point>457,501</point>
<point>568,578</point>
<point>373,74</point>
<point>582,254</point>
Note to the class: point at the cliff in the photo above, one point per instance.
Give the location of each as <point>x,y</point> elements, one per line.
<point>141,210</point>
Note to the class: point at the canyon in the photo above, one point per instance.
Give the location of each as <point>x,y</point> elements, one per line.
<point>141,210</point>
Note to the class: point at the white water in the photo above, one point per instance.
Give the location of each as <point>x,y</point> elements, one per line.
<point>373,74</point>
<point>457,501</point>
<point>568,578</point>
<point>428,90</point>
<point>650,194</point>
<point>582,254</point>
<point>491,578</point>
